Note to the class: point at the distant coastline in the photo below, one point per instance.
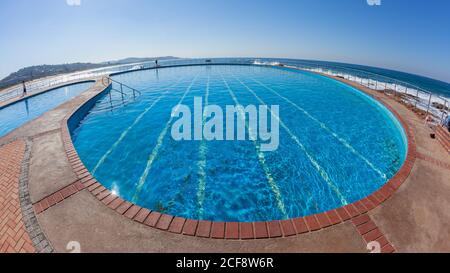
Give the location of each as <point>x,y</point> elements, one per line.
<point>41,71</point>
<point>434,86</point>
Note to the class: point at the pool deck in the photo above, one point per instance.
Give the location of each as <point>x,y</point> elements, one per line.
<point>36,170</point>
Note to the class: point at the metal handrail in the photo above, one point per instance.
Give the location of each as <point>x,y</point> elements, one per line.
<point>110,80</point>
<point>364,78</point>
<point>127,86</point>
<point>126,98</point>
<point>373,74</point>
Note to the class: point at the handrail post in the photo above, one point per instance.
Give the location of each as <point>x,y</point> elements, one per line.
<point>429,104</point>
<point>444,111</point>
<point>121,91</point>
<point>417,98</point>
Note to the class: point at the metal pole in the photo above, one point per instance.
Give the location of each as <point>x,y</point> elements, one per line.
<point>121,90</point>
<point>444,111</point>
<point>417,98</point>
<point>429,104</point>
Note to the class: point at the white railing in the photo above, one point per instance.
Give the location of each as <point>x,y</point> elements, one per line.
<point>431,104</point>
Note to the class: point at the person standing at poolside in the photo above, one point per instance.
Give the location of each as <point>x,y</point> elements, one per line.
<point>24,87</point>
<point>156,62</point>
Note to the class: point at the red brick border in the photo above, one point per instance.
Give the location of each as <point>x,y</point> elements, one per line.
<point>242,231</point>
<point>371,233</point>
<point>14,236</point>
<point>58,197</point>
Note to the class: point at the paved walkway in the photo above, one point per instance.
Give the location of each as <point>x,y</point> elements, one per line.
<point>13,235</point>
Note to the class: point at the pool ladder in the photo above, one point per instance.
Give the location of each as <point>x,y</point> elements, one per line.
<point>119,95</point>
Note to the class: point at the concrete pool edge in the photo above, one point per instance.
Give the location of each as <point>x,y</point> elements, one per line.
<point>233,231</point>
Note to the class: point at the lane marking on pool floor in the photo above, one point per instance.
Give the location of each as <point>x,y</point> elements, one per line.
<point>326,128</point>
<point>202,155</point>
<point>201,164</point>
<point>136,121</point>
<point>156,149</point>
<point>261,158</point>
<point>316,165</point>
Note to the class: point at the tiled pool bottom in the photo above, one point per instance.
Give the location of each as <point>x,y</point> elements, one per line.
<point>327,159</point>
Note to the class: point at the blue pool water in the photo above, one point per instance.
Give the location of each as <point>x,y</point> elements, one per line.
<point>337,145</point>
<point>19,113</point>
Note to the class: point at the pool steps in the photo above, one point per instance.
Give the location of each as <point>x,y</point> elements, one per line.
<point>136,121</point>
<point>127,95</point>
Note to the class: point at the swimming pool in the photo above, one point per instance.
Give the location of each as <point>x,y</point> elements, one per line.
<point>337,145</point>
<point>17,114</point>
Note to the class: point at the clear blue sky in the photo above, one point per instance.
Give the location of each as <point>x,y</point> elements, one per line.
<point>407,35</point>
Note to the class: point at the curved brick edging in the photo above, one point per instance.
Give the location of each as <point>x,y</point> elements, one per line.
<point>38,237</point>
<point>235,230</point>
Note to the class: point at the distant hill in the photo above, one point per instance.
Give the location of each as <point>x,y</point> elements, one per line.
<point>137,60</point>
<point>41,71</point>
